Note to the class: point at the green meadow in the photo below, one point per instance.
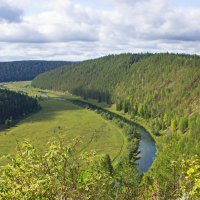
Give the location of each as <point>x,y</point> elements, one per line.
<point>63,119</point>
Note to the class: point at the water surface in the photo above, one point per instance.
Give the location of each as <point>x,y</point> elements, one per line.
<point>147,150</point>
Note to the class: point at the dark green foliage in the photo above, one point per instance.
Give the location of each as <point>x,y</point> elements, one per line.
<point>183,124</point>
<point>9,122</point>
<point>26,70</point>
<point>14,105</point>
<point>96,79</point>
<point>118,105</point>
<point>108,164</point>
<point>150,85</point>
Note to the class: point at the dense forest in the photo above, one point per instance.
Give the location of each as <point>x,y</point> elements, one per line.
<point>26,70</point>
<point>95,79</point>
<point>14,105</point>
<point>151,82</point>
<point>162,90</point>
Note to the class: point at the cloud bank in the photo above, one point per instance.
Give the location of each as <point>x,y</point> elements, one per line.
<point>9,14</point>
<point>75,30</point>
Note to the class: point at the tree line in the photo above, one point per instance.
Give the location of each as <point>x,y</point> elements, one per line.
<point>26,70</point>
<point>15,105</point>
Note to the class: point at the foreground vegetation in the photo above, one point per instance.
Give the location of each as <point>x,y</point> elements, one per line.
<point>59,174</point>
<point>160,90</point>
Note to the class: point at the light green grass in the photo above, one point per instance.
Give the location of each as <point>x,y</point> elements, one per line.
<point>66,119</point>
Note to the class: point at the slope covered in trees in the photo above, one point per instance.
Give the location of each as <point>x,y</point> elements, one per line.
<point>153,83</point>
<point>26,70</point>
<point>161,89</point>
<point>14,105</point>
<point>95,79</point>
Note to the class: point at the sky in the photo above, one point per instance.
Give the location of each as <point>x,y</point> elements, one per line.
<point>84,29</point>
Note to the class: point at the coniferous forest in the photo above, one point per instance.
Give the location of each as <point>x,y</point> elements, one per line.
<point>26,70</point>
<point>15,105</point>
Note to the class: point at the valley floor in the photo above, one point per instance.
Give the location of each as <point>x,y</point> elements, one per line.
<point>62,118</point>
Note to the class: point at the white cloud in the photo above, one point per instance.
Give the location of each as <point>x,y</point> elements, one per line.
<point>63,29</point>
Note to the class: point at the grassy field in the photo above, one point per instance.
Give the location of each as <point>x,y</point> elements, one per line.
<point>66,119</point>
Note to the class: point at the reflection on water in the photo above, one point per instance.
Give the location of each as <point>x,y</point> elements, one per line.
<point>147,151</point>
<point>59,99</point>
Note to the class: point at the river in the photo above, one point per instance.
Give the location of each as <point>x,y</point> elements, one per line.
<point>147,146</point>
<point>147,150</point>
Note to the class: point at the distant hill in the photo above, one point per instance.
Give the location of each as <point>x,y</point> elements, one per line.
<point>95,78</point>
<point>26,70</point>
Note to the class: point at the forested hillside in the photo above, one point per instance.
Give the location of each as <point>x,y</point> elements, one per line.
<point>14,105</point>
<point>155,83</point>
<point>161,89</point>
<point>26,70</point>
<point>95,79</point>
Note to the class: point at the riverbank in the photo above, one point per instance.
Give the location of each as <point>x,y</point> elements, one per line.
<point>146,147</point>
<point>138,120</point>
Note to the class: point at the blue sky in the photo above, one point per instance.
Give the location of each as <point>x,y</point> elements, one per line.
<point>183,3</point>
<point>83,29</point>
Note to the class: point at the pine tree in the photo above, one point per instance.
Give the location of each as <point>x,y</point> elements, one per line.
<point>173,125</point>
<point>183,124</point>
